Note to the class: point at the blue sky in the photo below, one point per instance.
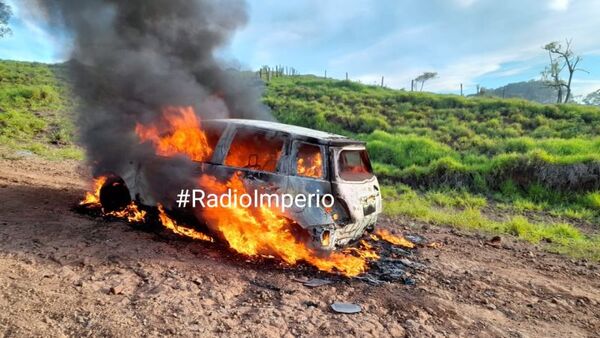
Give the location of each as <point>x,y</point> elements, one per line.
<point>483,42</point>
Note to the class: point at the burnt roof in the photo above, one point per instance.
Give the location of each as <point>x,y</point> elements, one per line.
<point>296,131</point>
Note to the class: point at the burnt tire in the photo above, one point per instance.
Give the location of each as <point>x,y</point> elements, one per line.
<point>114,195</point>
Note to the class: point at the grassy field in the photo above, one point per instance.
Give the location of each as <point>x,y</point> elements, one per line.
<point>462,161</point>
<point>36,112</point>
<point>502,166</point>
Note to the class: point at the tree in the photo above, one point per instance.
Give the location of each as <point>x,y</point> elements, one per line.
<point>561,57</point>
<point>551,77</point>
<point>5,13</point>
<point>424,78</point>
<point>593,98</point>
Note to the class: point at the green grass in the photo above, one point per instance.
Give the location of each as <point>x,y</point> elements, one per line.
<point>453,211</point>
<point>535,157</point>
<point>455,198</point>
<point>453,157</point>
<point>36,110</point>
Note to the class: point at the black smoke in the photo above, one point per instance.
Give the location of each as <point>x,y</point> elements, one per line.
<point>130,58</point>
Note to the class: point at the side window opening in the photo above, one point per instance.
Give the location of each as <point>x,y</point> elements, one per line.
<point>255,149</point>
<point>213,134</point>
<point>354,165</point>
<point>309,161</point>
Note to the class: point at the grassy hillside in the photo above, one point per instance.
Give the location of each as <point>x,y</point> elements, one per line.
<point>507,148</point>
<point>502,166</point>
<point>36,110</point>
<point>448,159</point>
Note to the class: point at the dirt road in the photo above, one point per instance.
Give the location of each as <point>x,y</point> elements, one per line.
<point>66,274</point>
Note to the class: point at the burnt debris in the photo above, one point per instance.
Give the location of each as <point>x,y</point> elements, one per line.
<point>395,264</point>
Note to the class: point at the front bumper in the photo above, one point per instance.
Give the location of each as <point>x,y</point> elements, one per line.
<point>330,237</point>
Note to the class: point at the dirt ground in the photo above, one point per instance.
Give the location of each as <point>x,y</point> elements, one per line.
<point>66,274</point>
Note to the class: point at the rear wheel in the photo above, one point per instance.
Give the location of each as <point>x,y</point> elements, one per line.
<point>114,195</point>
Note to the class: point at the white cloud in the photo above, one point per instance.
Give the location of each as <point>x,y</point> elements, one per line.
<point>450,77</point>
<point>585,86</point>
<point>380,49</point>
<point>559,5</point>
<point>465,3</point>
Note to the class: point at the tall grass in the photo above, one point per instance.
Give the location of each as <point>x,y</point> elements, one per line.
<point>36,110</point>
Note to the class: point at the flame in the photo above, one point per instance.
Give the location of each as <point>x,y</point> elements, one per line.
<point>310,166</point>
<point>134,215</point>
<point>93,197</point>
<point>262,232</point>
<point>131,212</point>
<point>183,134</point>
<point>435,245</point>
<point>170,224</point>
<point>392,239</point>
<point>263,154</point>
<point>366,251</point>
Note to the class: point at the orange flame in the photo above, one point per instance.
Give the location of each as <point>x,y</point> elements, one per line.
<point>392,239</point>
<point>183,134</point>
<point>131,212</point>
<point>366,251</point>
<point>263,156</point>
<point>310,166</point>
<point>261,232</point>
<point>179,229</point>
<point>93,197</point>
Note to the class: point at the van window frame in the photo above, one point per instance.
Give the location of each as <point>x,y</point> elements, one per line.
<point>336,153</point>
<point>338,171</point>
<point>229,136</point>
<point>293,160</point>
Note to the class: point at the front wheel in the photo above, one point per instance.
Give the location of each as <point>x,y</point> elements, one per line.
<point>114,195</point>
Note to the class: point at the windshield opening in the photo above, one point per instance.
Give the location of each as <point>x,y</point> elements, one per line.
<point>354,165</point>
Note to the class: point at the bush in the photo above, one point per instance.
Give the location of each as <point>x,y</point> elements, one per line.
<point>404,150</point>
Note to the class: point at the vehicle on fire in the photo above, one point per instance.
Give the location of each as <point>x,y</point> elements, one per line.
<point>285,159</point>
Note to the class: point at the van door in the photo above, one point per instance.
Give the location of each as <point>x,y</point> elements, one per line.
<point>309,175</point>
<point>259,155</point>
<point>355,183</point>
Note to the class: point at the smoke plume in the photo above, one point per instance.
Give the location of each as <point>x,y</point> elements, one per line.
<point>131,58</point>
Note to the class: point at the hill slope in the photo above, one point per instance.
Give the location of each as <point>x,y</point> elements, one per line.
<point>501,165</point>
<point>430,140</point>
<point>533,90</point>
<point>36,109</point>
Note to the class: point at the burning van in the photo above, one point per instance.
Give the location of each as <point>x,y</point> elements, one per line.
<point>278,159</point>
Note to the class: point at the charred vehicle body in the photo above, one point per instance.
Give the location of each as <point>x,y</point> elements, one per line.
<point>284,159</point>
